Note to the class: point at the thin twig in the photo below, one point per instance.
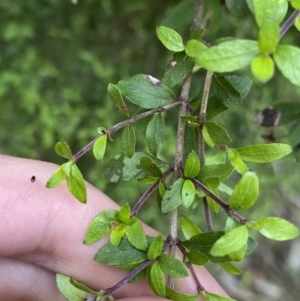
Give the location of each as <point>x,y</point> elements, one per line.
<point>222,204</point>
<point>178,161</point>
<point>190,266</point>
<point>288,23</point>
<point>198,14</point>
<point>122,124</point>
<point>134,272</point>
<point>149,191</point>
<point>202,118</point>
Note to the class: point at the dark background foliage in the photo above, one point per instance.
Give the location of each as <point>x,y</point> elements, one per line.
<point>56,60</point>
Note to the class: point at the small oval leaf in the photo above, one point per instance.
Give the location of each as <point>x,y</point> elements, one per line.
<point>188,193</point>
<point>100,226</point>
<point>63,149</point>
<point>264,152</point>
<point>157,279</point>
<point>245,192</point>
<point>172,197</point>
<point>192,165</point>
<point>136,235</point>
<point>236,161</point>
<point>262,68</point>
<point>155,248</point>
<point>188,227</point>
<point>99,147</point>
<point>115,95</point>
<point>172,266</point>
<point>76,184</point>
<point>230,242</point>
<point>275,228</point>
<point>128,141</point>
<point>155,133</point>
<point>171,39</point>
<point>57,178</point>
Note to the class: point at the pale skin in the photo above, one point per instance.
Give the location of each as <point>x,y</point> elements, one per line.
<point>41,233</point>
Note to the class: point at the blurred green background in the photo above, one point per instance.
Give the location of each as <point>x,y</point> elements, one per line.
<point>56,60</point>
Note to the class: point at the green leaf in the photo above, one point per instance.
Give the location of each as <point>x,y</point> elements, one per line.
<point>217,133</point>
<point>148,180</point>
<point>63,149</point>
<point>172,197</point>
<point>230,89</point>
<point>196,257</point>
<point>228,56</point>
<point>275,228</point>
<point>188,227</point>
<point>295,4</point>
<point>192,165</point>
<point>297,23</point>
<point>170,38</point>
<point>245,192</point>
<point>212,204</point>
<point>231,224</point>
<point>208,140</point>
<point>239,254</point>
<point>194,48</point>
<point>203,242</point>
<point>82,287</point>
<point>116,235</point>
<point>146,91</point>
<point>262,68</point>
<point>124,168</point>
<point>197,34</point>
<point>268,37</point>
<point>231,268</point>
<point>155,248</point>
<point>220,171</point>
<point>236,161</point>
<point>58,177</point>
<point>155,133</point>
<point>178,296</point>
<point>213,297</point>
<point>290,111</point>
<point>178,72</point>
<point>157,279</point>
<point>76,184</point>
<point>219,158</point>
<point>188,193</point>
<point>115,95</point>
<point>230,242</point>
<point>236,7</point>
<point>172,266</point>
<point>287,59</point>
<point>135,234</point>
<point>121,255</point>
<point>100,226</point>
<point>264,153</point>
<point>124,213</point>
<point>99,147</point>
<point>269,11</point>
<point>69,291</point>
<point>128,141</point>
<point>150,167</point>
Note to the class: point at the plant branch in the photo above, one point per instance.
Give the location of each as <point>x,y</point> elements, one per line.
<point>183,98</point>
<point>198,14</point>
<point>191,267</point>
<point>134,272</point>
<point>288,23</point>
<point>122,124</point>
<point>222,204</point>
<point>202,118</point>
<point>149,191</point>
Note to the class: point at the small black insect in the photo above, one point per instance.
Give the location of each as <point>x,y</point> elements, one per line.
<point>33,179</point>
